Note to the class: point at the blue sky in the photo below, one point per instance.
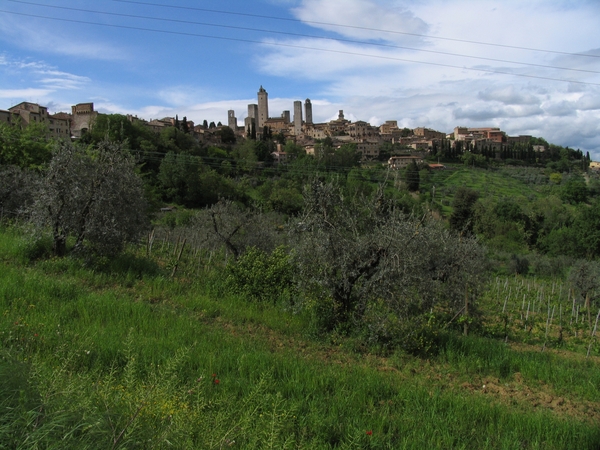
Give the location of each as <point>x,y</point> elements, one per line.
<point>422,63</point>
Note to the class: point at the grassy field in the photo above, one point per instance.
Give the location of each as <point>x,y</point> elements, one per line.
<point>495,183</point>
<point>119,354</point>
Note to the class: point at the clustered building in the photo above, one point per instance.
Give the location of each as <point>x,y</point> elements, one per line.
<point>298,127</point>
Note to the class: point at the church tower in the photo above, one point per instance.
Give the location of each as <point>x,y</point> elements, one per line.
<point>263,108</point>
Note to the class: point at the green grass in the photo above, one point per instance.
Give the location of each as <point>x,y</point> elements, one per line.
<point>486,182</point>
<point>120,355</point>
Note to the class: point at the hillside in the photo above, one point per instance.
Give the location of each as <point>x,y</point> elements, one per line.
<point>118,354</point>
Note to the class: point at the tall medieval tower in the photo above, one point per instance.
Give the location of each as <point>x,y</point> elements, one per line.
<point>297,118</point>
<point>232,120</point>
<point>263,108</point>
<point>308,111</point>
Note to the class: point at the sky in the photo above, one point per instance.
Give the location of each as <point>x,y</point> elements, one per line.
<point>528,67</point>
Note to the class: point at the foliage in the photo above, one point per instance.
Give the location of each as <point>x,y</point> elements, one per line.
<point>586,228</point>
<point>18,188</point>
<point>227,224</point>
<point>412,177</point>
<point>584,277</point>
<point>351,253</point>
<point>94,359</point>
<point>575,190</point>
<point>245,155</point>
<point>471,159</point>
<point>463,209</point>
<point>261,276</point>
<point>26,147</point>
<point>519,265</point>
<point>227,135</point>
<point>179,178</point>
<point>576,237</point>
<point>94,196</point>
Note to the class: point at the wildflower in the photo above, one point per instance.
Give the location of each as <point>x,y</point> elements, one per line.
<point>216,381</point>
<point>214,375</point>
<point>35,335</point>
<point>369,432</point>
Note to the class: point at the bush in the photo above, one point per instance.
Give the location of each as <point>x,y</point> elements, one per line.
<point>384,330</point>
<point>261,276</point>
<point>35,248</point>
<point>519,265</point>
<point>550,267</point>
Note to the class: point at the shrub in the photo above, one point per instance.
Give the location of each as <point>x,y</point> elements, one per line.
<point>261,276</point>
<point>385,330</point>
<point>519,265</point>
<point>34,248</point>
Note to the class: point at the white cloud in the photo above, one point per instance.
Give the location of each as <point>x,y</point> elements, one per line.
<point>62,80</point>
<point>509,95</point>
<point>40,36</point>
<point>28,93</point>
<point>361,18</point>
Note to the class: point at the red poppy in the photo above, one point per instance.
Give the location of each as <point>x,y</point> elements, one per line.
<point>369,432</point>
<point>217,381</point>
<point>214,375</point>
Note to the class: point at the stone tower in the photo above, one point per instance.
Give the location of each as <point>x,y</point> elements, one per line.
<point>250,121</point>
<point>297,118</point>
<point>308,111</point>
<point>263,108</point>
<point>232,120</point>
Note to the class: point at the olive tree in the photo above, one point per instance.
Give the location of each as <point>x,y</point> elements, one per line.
<point>584,278</point>
<point>92,195</point>
<point>237,228</point>
<point>356,254</point>
<point>17,190</point>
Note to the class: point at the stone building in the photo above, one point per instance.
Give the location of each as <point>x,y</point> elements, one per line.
<point>27,113</point>
<point>82,118</point>
<point>428,133</point>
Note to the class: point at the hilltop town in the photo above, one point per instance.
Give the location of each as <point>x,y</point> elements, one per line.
<point>298,128</point>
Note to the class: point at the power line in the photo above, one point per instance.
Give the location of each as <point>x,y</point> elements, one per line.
<point>351,41</point>
<point>356,28</point>
<point>303,47</point>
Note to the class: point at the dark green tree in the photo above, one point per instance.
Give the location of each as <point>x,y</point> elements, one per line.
<point>462,217</point>
<point>18,189</point>
<point>575,190</point>
<point>412,177</point>
<point>227,135</point>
